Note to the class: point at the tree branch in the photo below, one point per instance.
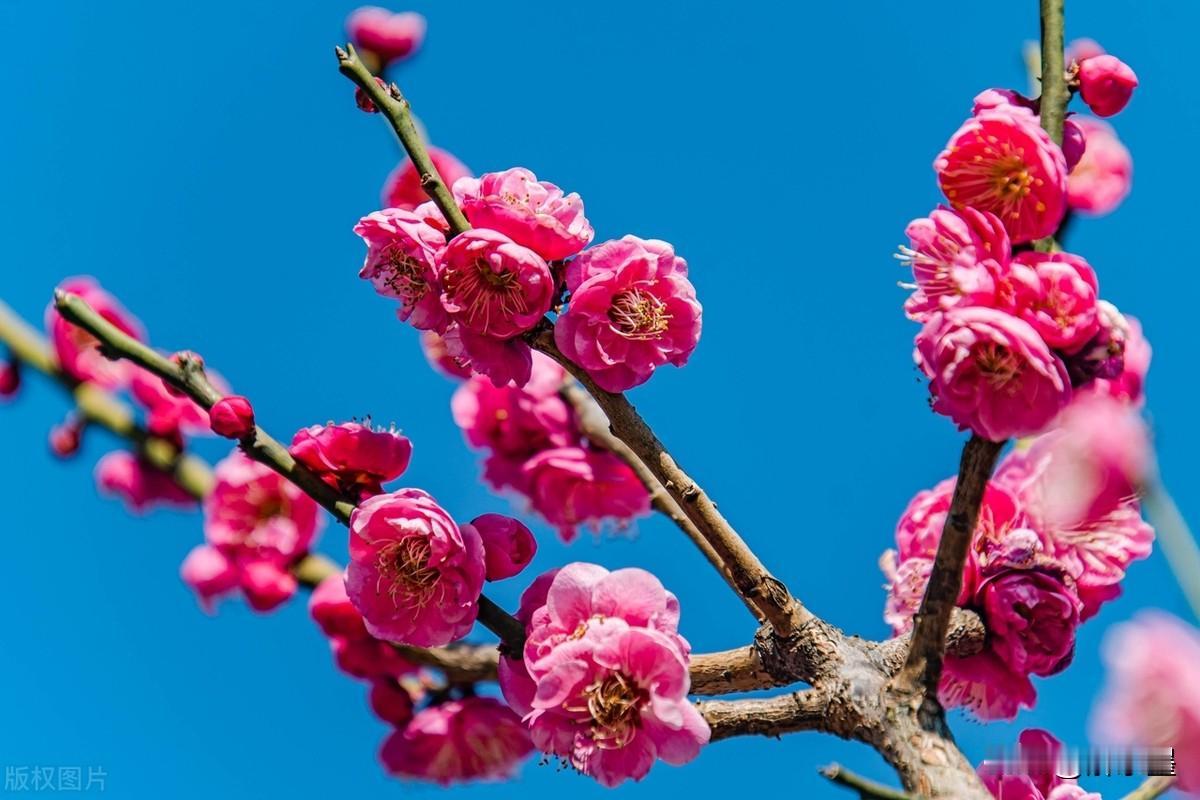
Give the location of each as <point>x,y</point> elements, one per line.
<point>806,710</point>
<point>866,789</point>
<point>595,426</point>
<point>1055,94</point>
<point>188,376</point>
<point>395,107</point>
<point>1151,788</point>
<point>923,666</point>
<point>747,574</point>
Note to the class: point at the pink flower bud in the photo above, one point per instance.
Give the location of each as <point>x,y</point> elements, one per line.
<point>389,36</point>
<point>232,417</point>
<point>266,584</point>
<point>391,702</point>
<point>508,546</point>
<point>209,573</point>
<point>1031,617</point>
<point>1106,83</point>
<point>10,378</point>
<point>65,438</point>
<point>332,610</point>
<point>364,101</point>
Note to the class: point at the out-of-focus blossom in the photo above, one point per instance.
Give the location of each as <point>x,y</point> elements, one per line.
<point>77,350</point>
<point>10,378</point>
<point>1104,175</point>
<point>387,35</point>
<point>138,483</point>
<point>391,702</point>
<point>475,738</point>
<point>571,486</point>
<point>403,188</point>
<point>437,352</point>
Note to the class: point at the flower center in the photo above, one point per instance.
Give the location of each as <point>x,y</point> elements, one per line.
<point>487,295</point>
<point>638,315</point>
<point>406,277</point>
<point>406,563</point>
<point>614,704</point>
<point>998,365</point>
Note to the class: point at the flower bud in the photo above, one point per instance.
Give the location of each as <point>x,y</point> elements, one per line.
<point>1106,83</point>
<point>388,36</point>
<point>65,437</point>
<point>508,546</point>
<point>266,585</point>
<point>391,702</point>
<point>10,378</point>
<point>232,417</point>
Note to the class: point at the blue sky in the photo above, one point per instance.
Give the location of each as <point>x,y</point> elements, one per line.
<point>206,162</point>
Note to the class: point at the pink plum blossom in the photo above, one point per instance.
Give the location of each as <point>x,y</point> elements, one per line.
<point>1031,619</point>
<point>1014,102</point>
<point>1033,772</point>
<point>508,545</point>
<point>331,609</point>
<point>1129,384</point>
<point>438,354</point>
<point>986,686</point>
<point>209,573</point>
<point>535,214</point>
<point>401,263</point>
<point>388,36</point>
<point>603,681</point>
<point>139,483</point>
<point>403,188</point>
<point>391,702</point>
<point>1152,697</point>
<point>632,309</point>
<point>475,738</point>
<point>1106,83</point>
<point>991,372</point>
<point>955,258</point>
<point>1104,176</point>
<point>1064,311</point>
<point>1079,49</point>
<point>10,378</point>
<point>570,486</point>
<point>255,513</point>
<point>1002,161</point>
<point>77,350</point>
<point>493,286</point>
<point>351,457</point>
<point>266,584</point>
<point>1103,356</point>
<point>515,423</point>
<point>414,574</point>
<point>502,361</point>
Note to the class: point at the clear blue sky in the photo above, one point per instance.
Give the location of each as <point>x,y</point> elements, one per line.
<point>206,162</point>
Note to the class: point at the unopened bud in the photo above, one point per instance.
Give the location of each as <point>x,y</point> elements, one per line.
<point>232,417</point>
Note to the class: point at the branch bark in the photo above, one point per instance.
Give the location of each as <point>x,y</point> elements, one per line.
<point>806,710</point>
<point>188,376</point>
<point>923,667</point>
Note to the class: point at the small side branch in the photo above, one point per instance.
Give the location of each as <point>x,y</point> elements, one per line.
<point>923,666</point>
<point>188,376</point>
<point>866,789</point>
<point>1151,788</point>
<point>773,716</point>
<point>395,107</point>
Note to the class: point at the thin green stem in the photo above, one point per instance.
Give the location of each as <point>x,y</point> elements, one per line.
<point>866,789</point>
<point>1055,94</point>
<point>187,375</point>
<point>393,105</point>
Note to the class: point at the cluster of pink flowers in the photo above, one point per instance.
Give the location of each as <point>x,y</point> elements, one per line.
<point>436,737</point>
<point>1010,334</point>
<point>1033,774</point>
<point>631,307</point>
<point>536,450</point>
<point>1153,693</point>
<point>603,679</point>
<point>1059,525</point>
<point>257,524</point>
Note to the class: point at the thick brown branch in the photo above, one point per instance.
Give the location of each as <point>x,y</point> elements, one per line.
<point>737,670</point>
<point>806,710</point>
<point>923,667</point>
<point>188,376</point>
<point>462,663</point>
<point>965,637</point>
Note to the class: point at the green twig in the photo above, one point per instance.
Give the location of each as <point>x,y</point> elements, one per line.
<point>866,789</point>
<point>1055,94</point>
<point>1151,788</point>
<point>393,105</point>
